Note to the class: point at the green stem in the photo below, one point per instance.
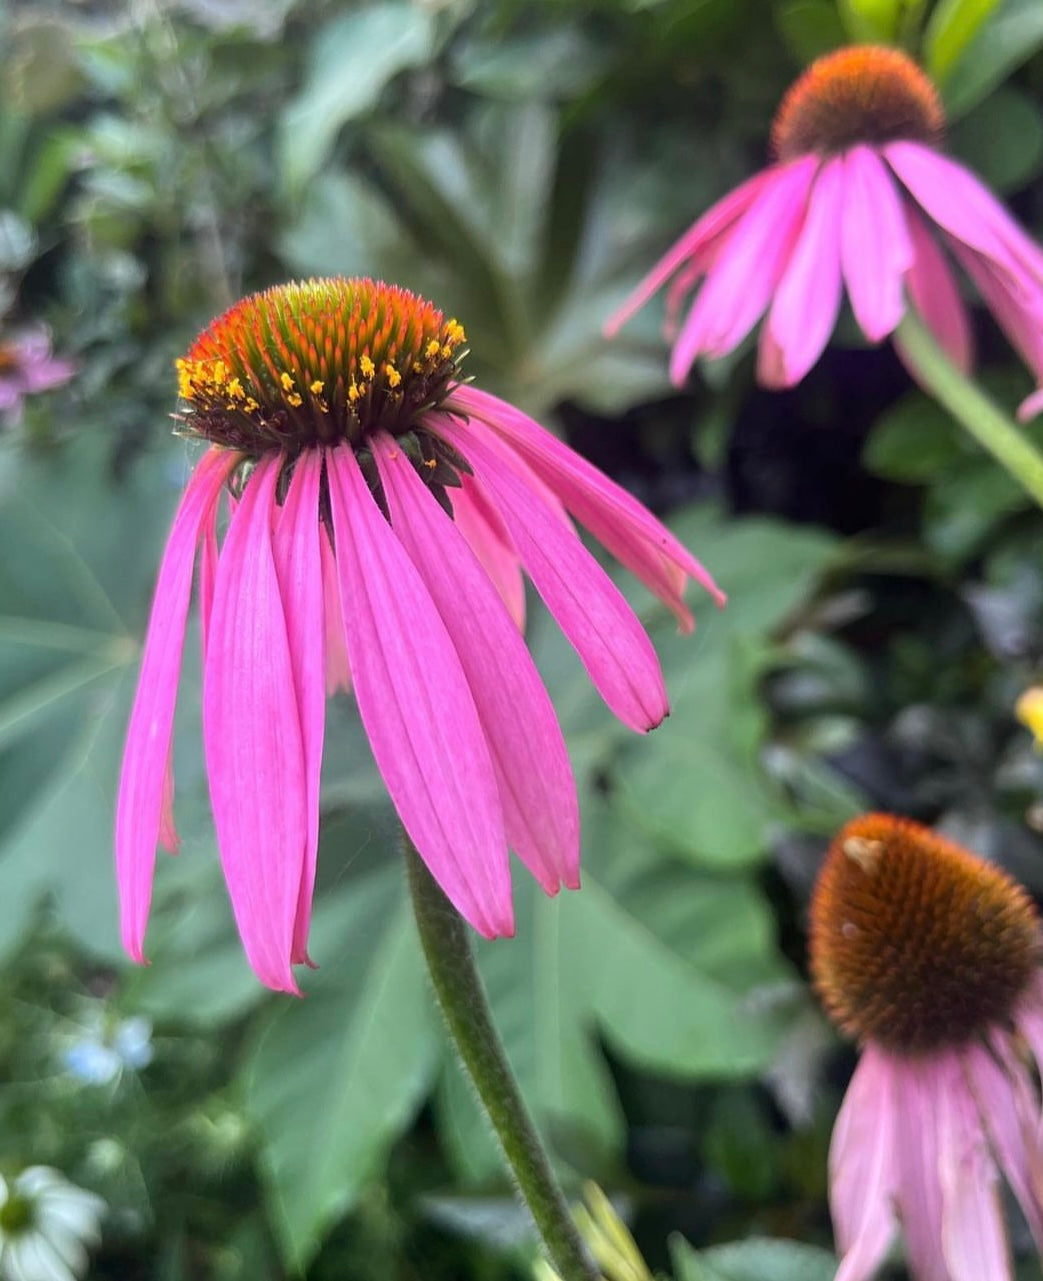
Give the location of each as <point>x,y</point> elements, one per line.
<point>446,941</point>
<point>969,405</point>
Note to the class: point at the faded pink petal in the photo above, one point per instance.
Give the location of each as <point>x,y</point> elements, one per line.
<point>861,1169</point>
<point>974,1241</point>
<point>1018,312</point>
<point>967,210</point>
<point>298,562</point>
<point>532,767</point>
<point>806,302</point>
<point>168,836</point>
<point>917,1088</point>
<point>417,709</point>
<point>717,220</point>
<point>208,576</point>
<point>1005,1098</point>
<point>933,292</point>
<point>252,737</point>
<point>587,605</point>
<point>747,268</point>
<point>1029,1020</point>
<point>875,246</point>
<point>490,542</point>
<point>617,520</point>
<point>143,806</point>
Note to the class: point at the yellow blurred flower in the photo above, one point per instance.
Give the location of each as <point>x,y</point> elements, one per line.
<point>1029,710</point>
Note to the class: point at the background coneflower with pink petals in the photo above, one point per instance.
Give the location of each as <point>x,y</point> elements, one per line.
<point>929,956</point>
<point>860,200</point>
<point>382,516</point>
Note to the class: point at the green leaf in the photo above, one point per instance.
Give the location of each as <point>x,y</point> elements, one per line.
<point>1009,36</point>
<point>352,59</point>
<point>809,28</point>
<point>914,441</point>
<point>871,20</point>
<point>334,1078</point>
<point>1002,139</point>
<point>953,24</point>
<point>651,956</point>
<point>756,1259</point>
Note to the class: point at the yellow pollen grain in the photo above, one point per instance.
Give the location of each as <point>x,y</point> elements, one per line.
<point>430,463</point>
<point>295,399</point>
<point>287,381</point>
<point>367,366</point>
<point>353,392</point>
<point>251,405</point>
<point>393,376</point>
<point>316,387</point>
<point>432,349</point>
<point>235,390</point>
<point>454,333</point>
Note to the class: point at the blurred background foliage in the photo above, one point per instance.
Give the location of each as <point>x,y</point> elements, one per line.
<point>521,164</point>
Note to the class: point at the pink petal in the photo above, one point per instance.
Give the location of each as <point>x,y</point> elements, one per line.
<point>589,608</point>
<point>1018,312</point>
<point>973,1236</point>
<point>747,268</point>
<point>1029,1020</point>
<point>1004,1095</point>
<point>168,836</point>
<point>969,212</point>
<point>417,709</point>
<point>532,767</point>
<point>143,807</point>
<point>875,246</point>
<point>1031,406</point>
<point>252,737</point>
<point>298,562</point>
<point>807,299</point>
<point>717,220</point>
<point>917,1088</point>
<point>861,1168</point>
<point>933,292</point>
<point>338,670</point>
<point>629,531</point>
<point>491,544</point>
<point>207,577</point>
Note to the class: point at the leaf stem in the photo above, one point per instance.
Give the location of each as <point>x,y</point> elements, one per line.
<point>969,405</point>
<point>458,986</point>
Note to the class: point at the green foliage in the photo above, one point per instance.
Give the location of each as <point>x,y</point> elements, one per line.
<point>753,1260</point>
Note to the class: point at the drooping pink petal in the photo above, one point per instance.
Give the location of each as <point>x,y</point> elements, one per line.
<point>746,269</point>
<point>1018,311</point>
<point>588,607</point>
<point>142,808</point>
<point>616,519</point>
<point>252,737</point>
<point>974,1240</point>
<point>933,292</point>
<point>917,1086</point>
<point>490,543</point>
<point>804,309</point>
<point>168,836</point>
<point>532,766</point>
<point>969,212</point>
<point>207,577</point>
<point>1031,406</point>
<point>298,563</point>
<point>1029,1020</point>
<point>717,220</point>
<point>1004,1095</point>
<point>876,249</point>
<point>338,670</point>
<point>861,1168</point>
<point>417,709</point>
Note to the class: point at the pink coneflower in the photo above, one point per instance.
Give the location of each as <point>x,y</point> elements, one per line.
<point>860,198</point>
<point>26,367</point>
<point>930,957</point>
<point>382,513</point>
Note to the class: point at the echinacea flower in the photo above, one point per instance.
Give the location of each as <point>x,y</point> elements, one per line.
<point>46,1225</point>
<point>382,513</point>
<point>860,198</point>
<point>27,367</point>
<point>930,956</point>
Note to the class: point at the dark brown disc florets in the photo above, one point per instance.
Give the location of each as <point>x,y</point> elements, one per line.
<point>917,944</point>
<point>865,93</point>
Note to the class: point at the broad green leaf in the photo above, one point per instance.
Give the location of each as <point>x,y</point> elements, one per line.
<point>756,1259</point>
<point>1009,36</point>
<point>953,24</point>
<point>871,20</point>
<point>809,28</point>
<point>1002,140</point>
<point>654,958</point>
<point>914,441</point>
<point>334,1078</point>
<point>352,58</point>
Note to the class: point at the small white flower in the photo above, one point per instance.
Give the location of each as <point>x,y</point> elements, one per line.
<point>46,1223</point>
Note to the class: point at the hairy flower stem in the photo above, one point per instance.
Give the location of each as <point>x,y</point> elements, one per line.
<point>969,405</point>
<point>447,947</point>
